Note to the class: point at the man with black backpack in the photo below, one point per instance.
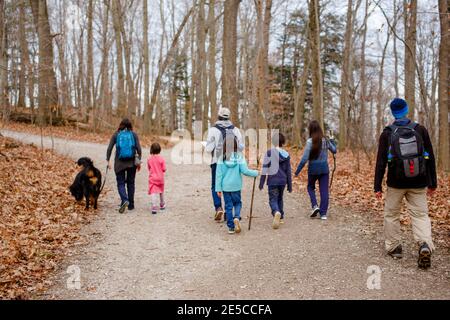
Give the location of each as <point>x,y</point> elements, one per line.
<point>223,130</point>
<point>405,148</point>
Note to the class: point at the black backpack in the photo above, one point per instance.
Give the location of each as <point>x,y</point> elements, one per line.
<point>227,133</point>
<point>406,152</point>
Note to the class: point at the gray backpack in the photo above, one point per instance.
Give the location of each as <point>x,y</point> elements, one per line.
<point>406,152</point>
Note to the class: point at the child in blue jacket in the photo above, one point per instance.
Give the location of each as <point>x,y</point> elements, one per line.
<point>278,173</point>
<point>316,153</point>
<point>229,182</point>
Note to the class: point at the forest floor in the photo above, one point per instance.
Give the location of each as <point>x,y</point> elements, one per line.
<point>183,254</point>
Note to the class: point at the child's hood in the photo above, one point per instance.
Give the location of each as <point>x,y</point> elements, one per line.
<point>284,155</point>
<point>235,160</point>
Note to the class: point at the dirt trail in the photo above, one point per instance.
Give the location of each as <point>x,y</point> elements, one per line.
<point>183,254</point>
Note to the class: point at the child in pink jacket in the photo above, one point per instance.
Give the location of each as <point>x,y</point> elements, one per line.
<point>156,168</point>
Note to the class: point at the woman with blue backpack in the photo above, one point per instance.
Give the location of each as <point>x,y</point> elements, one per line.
<point>127,162</point>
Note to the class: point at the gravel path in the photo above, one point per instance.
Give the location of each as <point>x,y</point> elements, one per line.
<point>183,254</point>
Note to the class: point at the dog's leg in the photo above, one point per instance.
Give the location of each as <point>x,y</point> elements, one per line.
<point>86,194</point>
<point>95,202</point>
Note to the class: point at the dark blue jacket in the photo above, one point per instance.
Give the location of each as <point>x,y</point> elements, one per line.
<point>276,169</point>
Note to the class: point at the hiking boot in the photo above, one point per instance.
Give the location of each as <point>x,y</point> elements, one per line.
<point>237,225</point>
<point>124,207</point>
<point>276,220</point>
<point>315,212</point>
<point>282,221</point>
<point>231,231</point>
<point>424,261</point>
<point>131,207</point>
<point>397,253</point>
<point>218,215</point>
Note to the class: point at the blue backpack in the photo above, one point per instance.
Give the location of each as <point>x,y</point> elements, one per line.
<point>125,145</point>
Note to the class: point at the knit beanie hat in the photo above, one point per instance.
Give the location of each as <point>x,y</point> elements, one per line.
<point>399,108</point>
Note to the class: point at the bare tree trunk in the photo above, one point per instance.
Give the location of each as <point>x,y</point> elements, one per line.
<point>299,109</point>
<point>444,80</point>
<point>380,94</point>
<point>24,58</point>
<point>230,97</point>
<point>104,88</point>
<point>200,44</point>
<point>146,56</point>
<point>4,104</point>
<point>212,82</point>
<point>48,90</point>
<point>316,65</point>
<point>148,115</point>
<point>121,98</point>
<point>410,8</point>
<point>397,91</point>
<point>264,17</point>
<point>90,63</point>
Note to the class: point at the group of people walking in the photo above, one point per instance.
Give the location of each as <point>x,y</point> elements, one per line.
<point>405,148</point>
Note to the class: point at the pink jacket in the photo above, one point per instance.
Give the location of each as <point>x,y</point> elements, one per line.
<point>156,168</point>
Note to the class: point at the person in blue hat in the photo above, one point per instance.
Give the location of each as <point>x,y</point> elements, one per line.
<point>405,148</point>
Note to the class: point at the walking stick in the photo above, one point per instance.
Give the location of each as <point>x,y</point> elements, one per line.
<point>253,197</point>
<point>334,162</point>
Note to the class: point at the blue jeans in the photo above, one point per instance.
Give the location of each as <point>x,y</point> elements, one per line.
<point>232,200</point>
<point>126,177</point>
<point>324,192</point>
<point>276,199</point>
<point>217,201</point>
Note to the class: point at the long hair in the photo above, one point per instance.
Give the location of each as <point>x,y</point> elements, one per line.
<point>125,124</point>
<point>316,134</point>
<point>231,142</point>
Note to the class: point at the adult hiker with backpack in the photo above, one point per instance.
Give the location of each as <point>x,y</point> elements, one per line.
<point>126,162</point>
<point>405,148</point>
<point>215,144</point>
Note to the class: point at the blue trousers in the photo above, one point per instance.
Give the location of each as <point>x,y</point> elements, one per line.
<point>232,201</point>
<point>126,178</point>
<point>216,199</point>
<point>276,194</point>
<point>324,192</point>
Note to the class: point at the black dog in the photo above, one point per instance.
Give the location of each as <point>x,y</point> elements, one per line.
<point>87,183</point>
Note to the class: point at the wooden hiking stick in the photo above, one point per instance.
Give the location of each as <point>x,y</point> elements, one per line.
<point>253,196</point>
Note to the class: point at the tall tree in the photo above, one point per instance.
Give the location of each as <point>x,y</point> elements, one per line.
<point>345,77</point>
<point>146,55</point>
<point>444,80</point>
<point>121,97</point>
<point>410,12</point>
<point>90,61</point>
<point>316,65</point>
<point>229,56</point>
<point>264,17</point>
<point>3,61</point>
<point>48,90</point>
<point>212,81</point>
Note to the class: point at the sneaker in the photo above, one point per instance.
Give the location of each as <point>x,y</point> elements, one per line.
<point>130,207</point>
<point>154,212</point>
<point>124,207</point>
<point>237,225</point>
<point>397,253</point>
<point>424,261</point>
<point>315,213</point>
<point>323,218</point>
<point>276,221</point>
<point>162,207</point>
<point>218,215</point>
<point>231,231</point>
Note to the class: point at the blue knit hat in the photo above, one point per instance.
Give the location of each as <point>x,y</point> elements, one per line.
<point>399,108</point>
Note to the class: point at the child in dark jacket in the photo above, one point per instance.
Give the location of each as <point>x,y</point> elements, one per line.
<point>278,173</point>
